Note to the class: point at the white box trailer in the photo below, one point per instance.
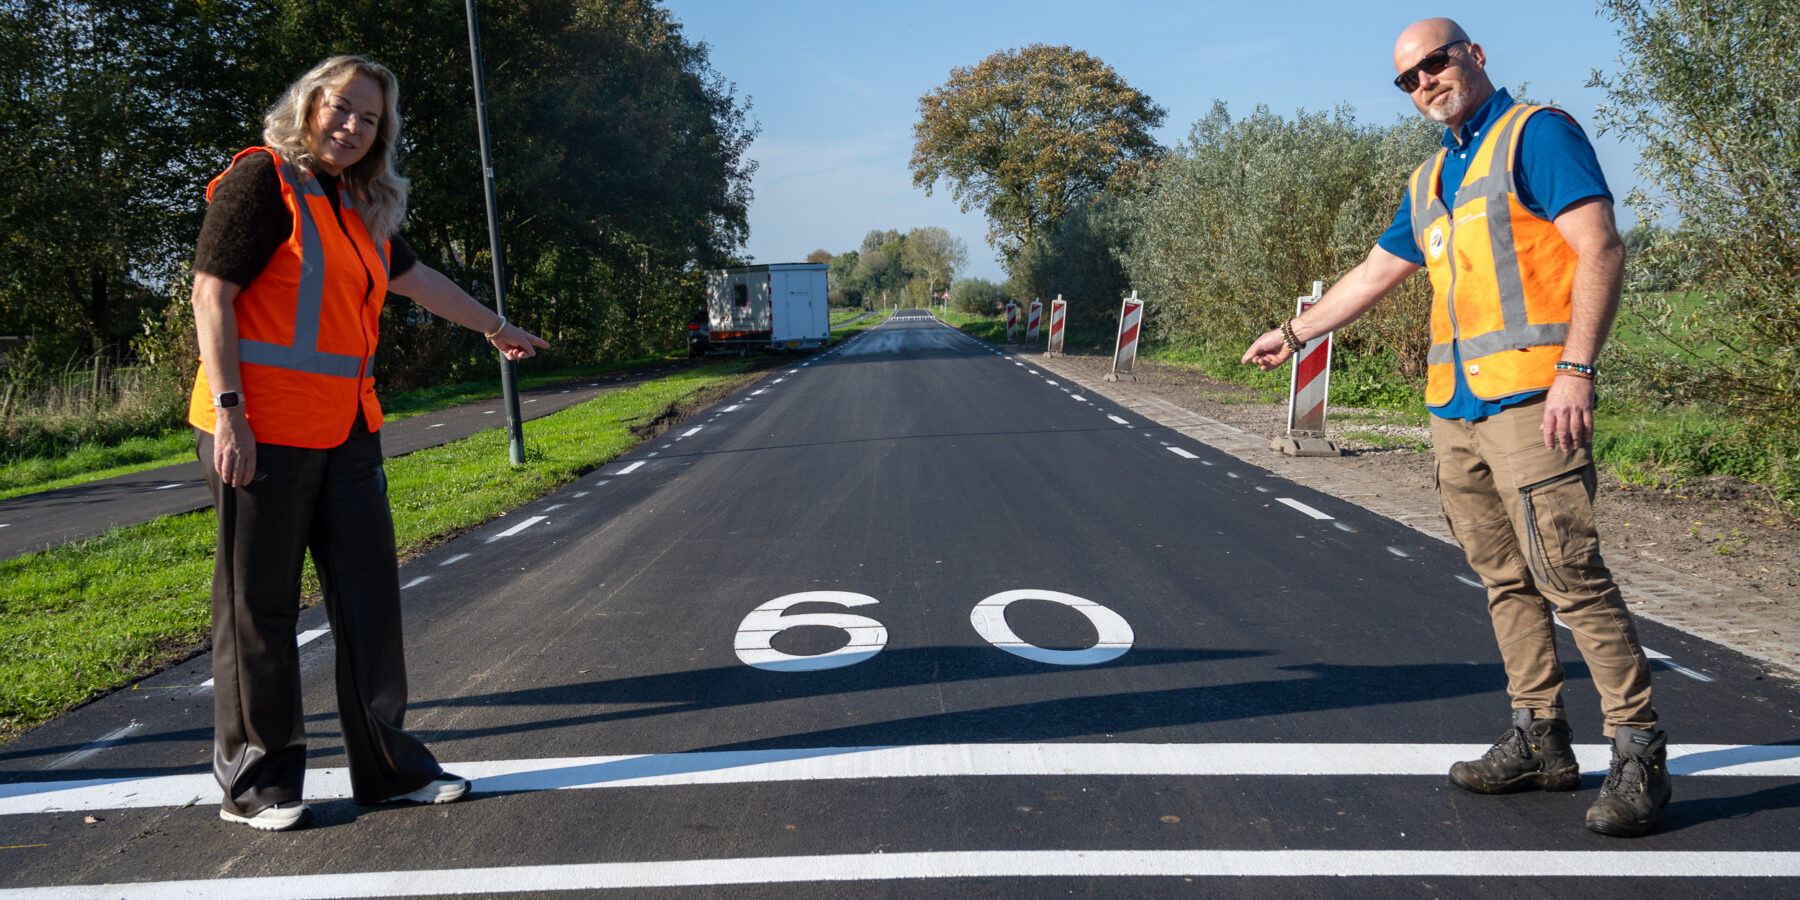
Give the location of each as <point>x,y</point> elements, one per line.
<point>780,306</point>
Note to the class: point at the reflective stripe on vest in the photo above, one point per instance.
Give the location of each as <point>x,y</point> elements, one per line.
<point>1493,269</point>
<point>304,355</point>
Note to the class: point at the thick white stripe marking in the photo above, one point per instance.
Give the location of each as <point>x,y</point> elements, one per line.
<point>438,425</point>
<point>1524,864</point>
<point>167,486</point>
<point>692,431</point>
<point>1398,552</point>
<point>1182,453</point>
<point>927,761</point>
<point>416,582</point>
<point>733,407</point>
<point>517,528</point>
<point>454,559</point>
<point>1117,419</point>
<point>1303,508</point>
<point>631,468</point>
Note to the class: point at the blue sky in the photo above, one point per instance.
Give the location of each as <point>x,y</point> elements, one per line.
<point>836,85</point>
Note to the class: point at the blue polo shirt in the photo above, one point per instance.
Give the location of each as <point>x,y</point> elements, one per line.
<point>1557,169</point>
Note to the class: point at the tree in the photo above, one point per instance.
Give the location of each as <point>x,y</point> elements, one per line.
<point>974,296</point>
<point>1082,260</point>
<point>1246,214</point>
<point>819,256</point>
<point>113,115</point>
<point>934,254</point>
<point>1707,91</point>
<point>1028,133</point>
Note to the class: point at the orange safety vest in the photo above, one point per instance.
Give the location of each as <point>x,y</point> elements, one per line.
<point>308,323</point>
<point>1501,276</point>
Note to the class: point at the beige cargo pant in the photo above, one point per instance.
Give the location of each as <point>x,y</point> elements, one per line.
<point>1524,515</point>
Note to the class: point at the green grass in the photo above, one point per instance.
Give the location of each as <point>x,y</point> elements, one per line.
<point>839,333</point>
<point>84,618</point>
<point>93,462</point>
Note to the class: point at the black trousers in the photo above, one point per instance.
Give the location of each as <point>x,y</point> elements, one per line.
<point>333,503</point>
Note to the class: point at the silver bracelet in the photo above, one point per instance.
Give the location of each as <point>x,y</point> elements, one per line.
<point>490,335</point>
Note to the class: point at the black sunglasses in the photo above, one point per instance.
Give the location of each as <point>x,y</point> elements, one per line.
<point>1434,62</point>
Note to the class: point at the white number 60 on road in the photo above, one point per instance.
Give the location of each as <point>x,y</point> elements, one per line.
<point>867,637</point>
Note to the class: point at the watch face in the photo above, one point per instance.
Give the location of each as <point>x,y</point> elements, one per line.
<point>226,400</point>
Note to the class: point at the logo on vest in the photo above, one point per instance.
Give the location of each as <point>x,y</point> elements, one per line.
<point>1435,241</point>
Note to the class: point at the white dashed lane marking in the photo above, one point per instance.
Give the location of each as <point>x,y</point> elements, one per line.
<point>1398,552</point>
<point>167,486</point>
<point>300,640</point>
<point>1303,508</point>
<point>416,582</point>
<point>1118,420</point>
<point>1656,656</point>
<point>1471,582</point>
<point>520,527</point>
<point>1182,453</point>
<point>692,431</point>
<point>631,468</point>
<point>454,559</point>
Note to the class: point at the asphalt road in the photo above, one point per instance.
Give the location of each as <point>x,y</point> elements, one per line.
<point>33,522</point>
<point>911,619</point>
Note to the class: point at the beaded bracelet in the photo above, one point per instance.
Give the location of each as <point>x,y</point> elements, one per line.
<point>1564,367</point>
<point>1287,337</point>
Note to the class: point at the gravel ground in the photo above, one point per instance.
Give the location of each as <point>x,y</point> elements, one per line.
<point>1707,555</point>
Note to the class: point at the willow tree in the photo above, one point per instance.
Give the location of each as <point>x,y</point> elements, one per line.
<point>1027,134</point>
<point>1707,91</point>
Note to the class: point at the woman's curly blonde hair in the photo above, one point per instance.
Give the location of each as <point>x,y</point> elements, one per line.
<point>373,180</point>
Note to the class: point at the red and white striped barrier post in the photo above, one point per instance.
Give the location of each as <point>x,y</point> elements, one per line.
<point>1033,320</point>
<point>1059,313</point>
<point>1012,322</point>
<point>1131,315</point>
<point>1309,383</point>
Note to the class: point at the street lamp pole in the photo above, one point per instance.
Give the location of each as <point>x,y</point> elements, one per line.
<point>509,390</point>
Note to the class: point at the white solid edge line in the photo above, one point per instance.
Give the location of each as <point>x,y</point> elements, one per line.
<point>1303,508</point>
<point>938,865</point>
<point>1182,453</point>
<point>923,761</point>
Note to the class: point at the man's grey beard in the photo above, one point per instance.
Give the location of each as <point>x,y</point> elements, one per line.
<point>1450,109</point>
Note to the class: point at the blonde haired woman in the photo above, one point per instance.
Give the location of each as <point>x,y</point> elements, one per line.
<point>298,252</point>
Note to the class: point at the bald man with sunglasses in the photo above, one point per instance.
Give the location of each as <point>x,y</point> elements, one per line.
<point>1513,221</point>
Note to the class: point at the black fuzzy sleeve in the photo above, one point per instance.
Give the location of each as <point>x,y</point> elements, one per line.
<point>245,222</point>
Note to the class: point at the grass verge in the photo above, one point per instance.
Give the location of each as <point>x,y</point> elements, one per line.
<point>94,462</point>
<point>82,619</point>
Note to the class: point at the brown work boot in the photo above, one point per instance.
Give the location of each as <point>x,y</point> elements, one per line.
<point>1636,788</point>
<point>1533,755</point>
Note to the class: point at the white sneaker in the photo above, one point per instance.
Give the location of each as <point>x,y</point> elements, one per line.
<point>447,788</point>
<point>280,817</point>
